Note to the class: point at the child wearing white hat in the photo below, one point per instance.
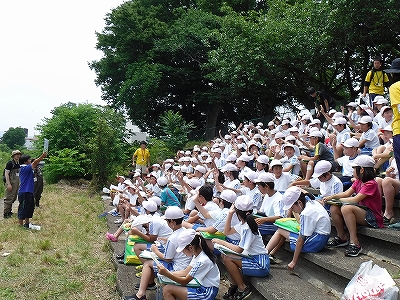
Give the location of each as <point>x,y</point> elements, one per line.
<point>203,268</point>
<point>257,264</point>
<point>315,225</point>
<point>364,209</point>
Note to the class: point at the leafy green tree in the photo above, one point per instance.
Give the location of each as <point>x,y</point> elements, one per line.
<point>14,137</point>
<point>175,130</point>
<point>92,135</point>
<point>238,59</point>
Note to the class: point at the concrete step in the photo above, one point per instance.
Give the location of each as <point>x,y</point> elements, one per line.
<point>330,270</point>
<point>282,284</point>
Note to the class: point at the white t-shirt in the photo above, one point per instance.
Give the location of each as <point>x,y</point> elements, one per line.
<point>234,184</point>
<point>159,227</point>
<point>204,270</point>
<point>154,188</point>
<point>372,139</point>
<point>250,243</point>
<point>331,187</point>
<point>272,206</point>
<point>221,220</point>
<point>254,195</point>
<point>180,260</point>
<point>287,161</point>
<point>210,206</point>
<point>282,183</point>
<point>345,161</point>
<point>314,218</point>
<point>342,136</point>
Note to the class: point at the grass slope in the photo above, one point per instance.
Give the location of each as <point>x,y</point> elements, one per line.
<point>67,259</point>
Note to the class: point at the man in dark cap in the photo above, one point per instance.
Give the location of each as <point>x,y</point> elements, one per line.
<point>321,101</point>
<point>394,92</point>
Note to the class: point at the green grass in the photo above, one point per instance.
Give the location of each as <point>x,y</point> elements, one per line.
<point>67,259</point>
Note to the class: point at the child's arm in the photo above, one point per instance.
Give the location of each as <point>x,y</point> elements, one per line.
<point>297,251</point>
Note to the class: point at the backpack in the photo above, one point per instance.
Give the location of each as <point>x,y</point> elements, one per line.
<point>4,171</point>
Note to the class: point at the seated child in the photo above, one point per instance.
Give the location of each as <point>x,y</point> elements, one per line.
<point>365,208</point>
<point>203,267</point>
<point>315,226</point>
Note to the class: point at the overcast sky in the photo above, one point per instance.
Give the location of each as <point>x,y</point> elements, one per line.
<point>45,48</point>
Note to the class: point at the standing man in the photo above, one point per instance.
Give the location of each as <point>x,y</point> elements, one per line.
<point>375,81</point>
<point>25,193</point>
<point>394,92</point>
<point>11,174</point>
<point>141,158</point>
<point>321,101</point>
<point>38,185</point>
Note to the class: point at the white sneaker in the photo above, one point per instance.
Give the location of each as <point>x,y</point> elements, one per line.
<point>118,221</point>
<point>35,227</point>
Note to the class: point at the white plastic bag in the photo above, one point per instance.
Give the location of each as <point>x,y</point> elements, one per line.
<point>372,283</point>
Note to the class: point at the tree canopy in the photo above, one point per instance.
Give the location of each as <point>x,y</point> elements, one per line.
<point>14,137</point>
<point>217,61</point>
<point>84,140</point>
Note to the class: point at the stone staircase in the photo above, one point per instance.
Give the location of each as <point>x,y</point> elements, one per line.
<point>321,275</point>
<point>328,272</point>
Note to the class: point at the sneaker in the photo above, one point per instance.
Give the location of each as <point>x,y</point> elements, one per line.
<point>273,260</point>
<point>139,268</point>
<point>231,291</point>
<point>33,226</point>
<point>120,256</point>
<point>150,287</point>
<point>103,214</point>
<point>118,221</point>
<point>242,295</point>
<point>134,297</point>
<point>353,250</point>
<point>26,225</point>
<point>8,215</point>
<point>387,221</point>
<point>111,237</point>
<point>115,214</point>
<point>337,242</point>
<point>121,261</point>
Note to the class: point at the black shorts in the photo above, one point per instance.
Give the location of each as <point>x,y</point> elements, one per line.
<point>26,205</point>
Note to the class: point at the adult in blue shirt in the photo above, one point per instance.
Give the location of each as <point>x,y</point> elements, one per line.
<point>26,187</point>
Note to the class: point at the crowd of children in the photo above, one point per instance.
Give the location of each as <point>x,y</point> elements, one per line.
<point>241,185</point>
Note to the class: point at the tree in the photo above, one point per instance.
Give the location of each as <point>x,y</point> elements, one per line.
<point>237,59</point>
<point>14,137</point>
<point>175,130</point>
<point>92,136</point>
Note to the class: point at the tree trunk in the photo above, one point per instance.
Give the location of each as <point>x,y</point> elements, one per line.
<point>211,120</point>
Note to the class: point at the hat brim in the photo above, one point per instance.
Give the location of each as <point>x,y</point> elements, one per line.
<point>180,248</point>
<point>392,71</point>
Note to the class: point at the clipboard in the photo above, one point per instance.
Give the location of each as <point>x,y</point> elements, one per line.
<point>165,280</point>
<point>229,251</point>
<point>289,224</point>
<point>210,236</point>
<point>46,145</point>
<point>136,239</point>
<point>340,203</point>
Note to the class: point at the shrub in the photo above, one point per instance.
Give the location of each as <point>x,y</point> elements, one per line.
<point>66,163</point>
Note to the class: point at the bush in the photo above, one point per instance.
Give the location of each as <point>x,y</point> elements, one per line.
<point>66,163</point>
<point>159,151</point>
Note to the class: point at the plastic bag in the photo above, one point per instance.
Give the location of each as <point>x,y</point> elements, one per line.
<point>372,283</point>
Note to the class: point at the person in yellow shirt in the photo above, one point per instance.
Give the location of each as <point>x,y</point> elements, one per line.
<point>394,93</point>
<point>141,158</point>
<point>375,81</point>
